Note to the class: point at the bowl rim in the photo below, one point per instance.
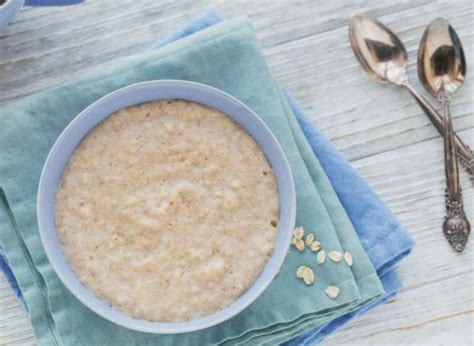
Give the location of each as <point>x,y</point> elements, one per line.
<point>53,249</point>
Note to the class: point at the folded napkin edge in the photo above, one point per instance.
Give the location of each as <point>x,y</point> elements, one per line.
<point>28,278</point>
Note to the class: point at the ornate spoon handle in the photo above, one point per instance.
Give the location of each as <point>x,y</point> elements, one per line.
<point>456,227</point>
<point>464,153</point>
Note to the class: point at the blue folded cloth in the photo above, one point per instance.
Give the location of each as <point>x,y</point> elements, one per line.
<point>381,235</point>
<point>5,267</point>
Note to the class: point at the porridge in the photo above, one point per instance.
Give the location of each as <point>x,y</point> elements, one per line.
<point>167,210</point>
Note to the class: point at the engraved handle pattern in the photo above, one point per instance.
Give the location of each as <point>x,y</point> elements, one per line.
<point>456,227</point>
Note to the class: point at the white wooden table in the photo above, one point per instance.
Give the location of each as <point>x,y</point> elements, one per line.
<point>379,128</point>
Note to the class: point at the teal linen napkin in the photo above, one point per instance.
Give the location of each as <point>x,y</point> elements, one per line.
<point>227,57</point>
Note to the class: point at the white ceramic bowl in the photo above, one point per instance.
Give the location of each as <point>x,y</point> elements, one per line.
<point>139,93</point>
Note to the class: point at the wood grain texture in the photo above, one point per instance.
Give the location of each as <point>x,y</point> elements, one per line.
<point>379,128</point>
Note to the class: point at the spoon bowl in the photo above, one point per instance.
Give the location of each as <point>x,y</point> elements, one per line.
<point>441,61</point>
<point>378,49</point>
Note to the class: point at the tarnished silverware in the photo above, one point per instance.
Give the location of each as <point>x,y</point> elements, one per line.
<point>441,68</point>
<point>384,57</point>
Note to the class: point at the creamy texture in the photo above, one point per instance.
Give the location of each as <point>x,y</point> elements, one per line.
<point>167,210</point>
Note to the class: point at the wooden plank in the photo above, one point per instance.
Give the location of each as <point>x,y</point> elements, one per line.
<point>15,326</point>
<point>378,128</point>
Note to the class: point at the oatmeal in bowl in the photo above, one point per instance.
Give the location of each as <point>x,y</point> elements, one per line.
<point>168,210</point>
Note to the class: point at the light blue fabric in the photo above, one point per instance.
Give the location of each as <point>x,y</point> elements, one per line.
<point>391,284</point>
<point>380,233</point>
<point>6,270</point>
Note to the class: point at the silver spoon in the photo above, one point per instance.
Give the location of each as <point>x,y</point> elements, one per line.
<point>384,57</point>
<point>441,68</point>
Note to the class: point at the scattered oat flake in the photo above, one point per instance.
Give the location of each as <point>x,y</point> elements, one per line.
<point>293,241</point>
<point>308,276</point>
<point>299,244</point>
<point>321,257</point>
<point>300,271</point>
<point>309,239</point>
<point>315,246</point>
<point>332,292</point>
<point>299,232</point>
<point>348,258</point>
<point>335,256</point>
